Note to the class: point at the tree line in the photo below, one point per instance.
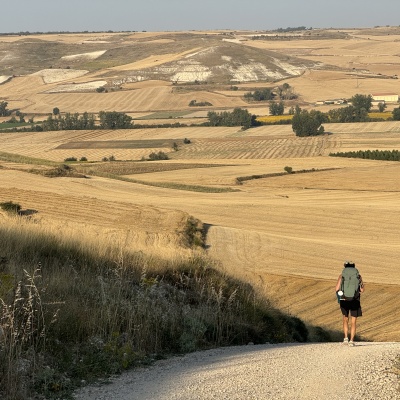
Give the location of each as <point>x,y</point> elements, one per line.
<point>387,155</point>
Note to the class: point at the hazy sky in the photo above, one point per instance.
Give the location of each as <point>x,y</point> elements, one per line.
<point>175,15</point>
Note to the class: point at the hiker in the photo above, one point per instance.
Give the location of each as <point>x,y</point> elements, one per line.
<point>348,288</point>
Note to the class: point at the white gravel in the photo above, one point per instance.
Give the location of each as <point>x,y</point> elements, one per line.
<point>287,371</point>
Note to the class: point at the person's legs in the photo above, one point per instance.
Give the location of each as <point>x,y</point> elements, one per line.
<point>345,326</point>
<point>353,328</point>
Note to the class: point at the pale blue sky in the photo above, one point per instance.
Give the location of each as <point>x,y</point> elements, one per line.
<point>176,15</point>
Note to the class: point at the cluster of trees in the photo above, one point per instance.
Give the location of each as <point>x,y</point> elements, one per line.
<point>108,120</point>
<point>238,117</point>
<point>284,92</point>
<point>388,155</point>
<point>68,122</point>
<point>260,95</point>
<point>306,123</point>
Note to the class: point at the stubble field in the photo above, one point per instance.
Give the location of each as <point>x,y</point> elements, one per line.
<point>289,234</point>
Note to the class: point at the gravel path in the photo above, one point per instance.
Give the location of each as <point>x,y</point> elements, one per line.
<point>287,371</point>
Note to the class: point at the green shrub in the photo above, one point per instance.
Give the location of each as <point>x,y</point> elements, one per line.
<point>10,207</point>
<point>158,156</point>
<point>289,170</point>
<point>70,159</point>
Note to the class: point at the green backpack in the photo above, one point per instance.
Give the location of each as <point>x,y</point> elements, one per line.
<point>350,282</point>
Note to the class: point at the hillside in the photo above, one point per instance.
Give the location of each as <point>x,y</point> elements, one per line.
<point>144,72</point>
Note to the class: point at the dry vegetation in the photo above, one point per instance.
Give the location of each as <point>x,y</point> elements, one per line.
<point>286,235</point>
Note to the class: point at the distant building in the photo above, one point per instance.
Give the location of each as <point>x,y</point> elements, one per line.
<point>385,97</point>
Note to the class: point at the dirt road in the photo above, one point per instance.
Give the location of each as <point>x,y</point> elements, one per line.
<point>288,371</point>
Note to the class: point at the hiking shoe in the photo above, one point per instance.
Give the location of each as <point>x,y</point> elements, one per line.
<point>351,343</point>
<point>345,340</point>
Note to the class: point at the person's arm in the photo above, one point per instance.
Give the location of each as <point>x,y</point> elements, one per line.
<point>339,282</point>
<point>362,287</point>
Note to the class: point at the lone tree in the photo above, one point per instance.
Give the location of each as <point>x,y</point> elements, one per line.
<point>4,112</point>
<point>382,107</point>
<point>276,108</point>
<point>396,114</point>
<point>306,123</point>
<point>56,111</point>
<point>362,101</point>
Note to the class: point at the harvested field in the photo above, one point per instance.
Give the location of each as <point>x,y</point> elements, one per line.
<point>288,235</point>
<point>140,100</point>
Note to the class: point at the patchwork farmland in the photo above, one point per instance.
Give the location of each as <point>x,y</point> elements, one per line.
<point>286,234</point>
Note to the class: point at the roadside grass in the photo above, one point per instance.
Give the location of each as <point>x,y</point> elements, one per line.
<point>74,309</point>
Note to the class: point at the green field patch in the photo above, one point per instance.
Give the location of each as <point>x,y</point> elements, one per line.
<point>16,158</point>
<point>9,125</point>
<point>122,144</point>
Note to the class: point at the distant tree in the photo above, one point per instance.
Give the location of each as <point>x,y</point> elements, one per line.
<point>114,120</point>
<point>396,114</point>
<point>307,124</point>
<point>20,115</point>
<point>276,108</point>
<point>4,112</point>
<point>286,92</point>
<point>289,170</point>
<point>382,107</point>
<point>362,101</point>
<point>56,111</point>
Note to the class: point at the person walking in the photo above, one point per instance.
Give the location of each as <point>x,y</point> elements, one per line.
<point>349,286</point>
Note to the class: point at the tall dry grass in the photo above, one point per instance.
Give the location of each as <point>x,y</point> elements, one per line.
<point>75,309</point>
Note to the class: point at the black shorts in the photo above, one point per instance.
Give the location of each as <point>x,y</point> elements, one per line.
<point>353,307</point>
